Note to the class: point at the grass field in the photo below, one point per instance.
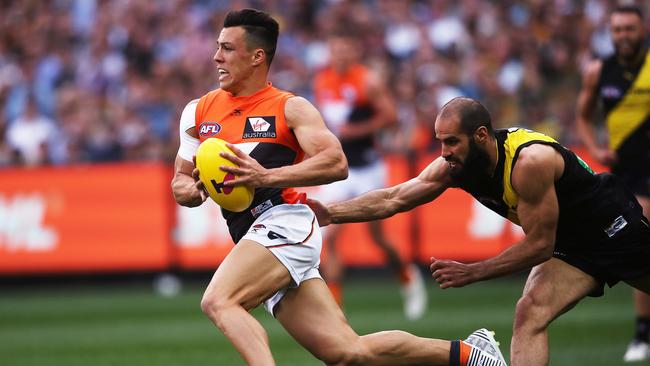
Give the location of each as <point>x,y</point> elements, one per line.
<point>130,325</point>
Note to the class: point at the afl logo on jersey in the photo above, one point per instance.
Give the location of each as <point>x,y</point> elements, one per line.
<point>209,129</point>
<point>260,128</point>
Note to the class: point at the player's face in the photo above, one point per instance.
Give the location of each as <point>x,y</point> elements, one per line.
<point>234,60</point>
<point>343,51</point>
<point>455,144</point>
<point>627,33</point>
<point>460,150</point>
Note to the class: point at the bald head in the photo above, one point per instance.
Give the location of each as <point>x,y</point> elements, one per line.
<point>469,112</point>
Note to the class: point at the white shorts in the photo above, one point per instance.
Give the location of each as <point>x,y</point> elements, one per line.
<point>360,180</point>
<point>292,234</point>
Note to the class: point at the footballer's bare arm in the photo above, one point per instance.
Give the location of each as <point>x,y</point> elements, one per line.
<point>386,202</point>
<point>324,160</point>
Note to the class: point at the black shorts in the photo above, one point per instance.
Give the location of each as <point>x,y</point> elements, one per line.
<point>624,256</point>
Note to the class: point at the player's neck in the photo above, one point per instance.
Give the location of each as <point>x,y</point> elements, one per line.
<point>341,68</point>
<point>249,87</point>
<point>493,152</point>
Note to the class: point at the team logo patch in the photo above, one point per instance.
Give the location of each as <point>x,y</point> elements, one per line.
<point>257,227</point>
<point>261,208</point>
<point>610,91</point>
<point>209,129</point>
<point>260,128</point>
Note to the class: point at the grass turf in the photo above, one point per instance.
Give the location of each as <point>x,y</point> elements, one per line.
<point>130,325</point>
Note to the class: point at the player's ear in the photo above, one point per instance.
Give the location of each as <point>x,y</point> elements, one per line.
<point>481,134</point>
<point>259,57</point>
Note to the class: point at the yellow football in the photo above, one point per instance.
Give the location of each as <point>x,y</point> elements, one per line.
<point>208,161</point>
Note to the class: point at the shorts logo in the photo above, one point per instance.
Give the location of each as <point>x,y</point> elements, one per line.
<point>273,235</point>
<point>259,127</point>
<point>259,209</point>
<point>257,227</point>
<point>616,226</point>
<point>209,129</point>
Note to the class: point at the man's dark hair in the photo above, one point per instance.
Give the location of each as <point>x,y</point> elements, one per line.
<point>261,30</point>
<point>628,9</point>
<point>471,113</point>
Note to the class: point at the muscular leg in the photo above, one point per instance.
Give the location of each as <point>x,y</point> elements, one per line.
<point>312,317</point>
<point>552,288</point>
<point>249,275</point>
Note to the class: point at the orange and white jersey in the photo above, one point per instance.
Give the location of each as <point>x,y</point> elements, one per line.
<point>343,99</point>
<point>255,124</point>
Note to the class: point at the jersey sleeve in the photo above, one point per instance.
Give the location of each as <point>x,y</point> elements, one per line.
<point>189,144</point>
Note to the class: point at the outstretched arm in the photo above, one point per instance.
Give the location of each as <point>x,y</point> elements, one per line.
<point>386,202</point>
<point>533,179</point>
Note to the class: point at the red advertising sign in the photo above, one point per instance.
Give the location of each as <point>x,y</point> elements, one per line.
<point>84,218</point>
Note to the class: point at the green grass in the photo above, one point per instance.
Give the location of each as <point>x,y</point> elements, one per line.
<point>130,325</point>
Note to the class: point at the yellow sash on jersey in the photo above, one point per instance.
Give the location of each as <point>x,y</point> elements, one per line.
<point>632,110</point>
<point>515,139</point>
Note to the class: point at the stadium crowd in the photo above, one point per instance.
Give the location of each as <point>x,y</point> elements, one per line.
<point>95,81</point>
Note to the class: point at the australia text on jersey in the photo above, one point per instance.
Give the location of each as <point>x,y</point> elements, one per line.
<point>259,127</point>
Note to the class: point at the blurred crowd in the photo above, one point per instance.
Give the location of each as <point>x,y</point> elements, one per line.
<point>106,80</point>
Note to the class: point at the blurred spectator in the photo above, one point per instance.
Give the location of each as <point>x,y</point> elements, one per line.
<point>114,75</point>
<point>32,135</point>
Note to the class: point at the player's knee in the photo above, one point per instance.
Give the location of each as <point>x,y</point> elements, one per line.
<point>214,306</point>
<point>531,313</point>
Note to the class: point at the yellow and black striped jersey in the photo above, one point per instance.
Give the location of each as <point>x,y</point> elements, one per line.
<point>576,189</point>
<point>625,95</point>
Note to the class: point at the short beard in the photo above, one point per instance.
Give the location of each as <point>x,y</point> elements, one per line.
<point>475,166</point>
<point>637,49</point>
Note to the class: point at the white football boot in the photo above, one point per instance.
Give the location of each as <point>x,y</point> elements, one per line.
<point>485,349</point>
<point>637,351</point>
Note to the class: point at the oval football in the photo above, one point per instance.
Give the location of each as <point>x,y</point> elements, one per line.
<point>208,161</point>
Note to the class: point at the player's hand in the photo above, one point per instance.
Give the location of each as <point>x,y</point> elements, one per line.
<point>605,157</point>
<point>248,171</point>
<point>322,214</point>
<point>198,192</point>
<point>451,273</point>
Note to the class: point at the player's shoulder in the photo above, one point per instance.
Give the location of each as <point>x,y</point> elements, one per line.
<point>188,115</point>
<point>211,96</point>
<point>192,103</point>
<point>297,107</point>
<point>537,166</point>
<point>296,104</point>
<point>534,157</point>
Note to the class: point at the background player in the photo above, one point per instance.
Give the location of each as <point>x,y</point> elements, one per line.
<point>276,258</point>
<point>582,230</point>
<point>356,106</point>
<point>622,83</point>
